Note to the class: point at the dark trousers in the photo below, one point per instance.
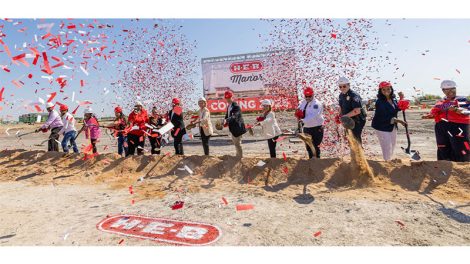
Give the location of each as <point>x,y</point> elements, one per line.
<point>121,140</point>
<point>451,141</point>
<point>156,144</point>
<point>272,146</point>
<point>317,138</point>
<point>93,143</point>
<point>357,131</point>
<point>53,143</point>
<point>205,141</point>
<point>133,142</point>
<point>177,143</point>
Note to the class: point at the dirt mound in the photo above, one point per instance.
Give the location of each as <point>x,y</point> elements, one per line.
<point>154,176</point>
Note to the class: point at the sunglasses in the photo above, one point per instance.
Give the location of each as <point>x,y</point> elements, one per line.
<point>343,86</point>
<point>308,96</point>
<point>448,89</point>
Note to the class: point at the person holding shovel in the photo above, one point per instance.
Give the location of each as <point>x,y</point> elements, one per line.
<point>203,120</point>
<point>234,121</point>
<point>310,115</point>
<point>175,115</point>
<point>269,125</point>
<point>156,122</point>
<point>119,125</point>
<point>385,119</point>
<point>351,107</point>
<point>54,123</point>
<point>68,129</point>
<point>91,127</point>
<point>136,136</point>
<point>452,128</point>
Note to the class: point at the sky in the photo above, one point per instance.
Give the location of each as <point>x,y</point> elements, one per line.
<point>445,44</point>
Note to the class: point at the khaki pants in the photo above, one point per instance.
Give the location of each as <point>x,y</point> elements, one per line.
<point>237,141</point>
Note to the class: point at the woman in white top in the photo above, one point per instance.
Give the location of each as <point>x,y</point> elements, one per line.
<point>205,124</point>
<point>268,122</point>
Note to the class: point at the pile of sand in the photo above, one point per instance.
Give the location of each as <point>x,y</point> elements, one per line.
<point>155,176</point>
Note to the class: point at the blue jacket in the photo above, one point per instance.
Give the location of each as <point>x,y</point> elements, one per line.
<point>384,112</point>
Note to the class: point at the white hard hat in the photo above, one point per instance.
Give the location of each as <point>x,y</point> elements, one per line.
<point>139,103</point>
<point>446,84</point>
<point>266,102</point>
<point>343,80</point>
<point>88,111</point>
<point>202,99</point>
<point>49,105</point>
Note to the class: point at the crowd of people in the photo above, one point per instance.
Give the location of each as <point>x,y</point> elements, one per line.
<point>451,116</point>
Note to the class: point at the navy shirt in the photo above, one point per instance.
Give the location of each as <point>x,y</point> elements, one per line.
<point>384,112</point>
<point>349,101</point>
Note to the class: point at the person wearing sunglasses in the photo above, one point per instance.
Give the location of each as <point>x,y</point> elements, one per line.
<point>452,128</point>
<point>310,116</point>
<point>351,106</point>
<point>385,119</point>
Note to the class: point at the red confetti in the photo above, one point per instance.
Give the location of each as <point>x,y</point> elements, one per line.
<point>51,97</point>
<point>317,234</point>
<point>224,200</point>
<point>286,170</point>
<point>120,242</point>
<point>402,225</point>
<point>37,108</point>
<point>82,83</point>
<point>30,76</point>
<point>284,155</point>
<point>1,93</point>
<point>177,205</point>
<point>467,146</point>
<point>243,207</point>
<point>280,138</point>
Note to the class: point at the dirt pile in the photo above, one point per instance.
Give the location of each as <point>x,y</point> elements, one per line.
<point>154,176</point>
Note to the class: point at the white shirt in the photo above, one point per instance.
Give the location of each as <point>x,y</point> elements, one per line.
<point>313,113</point>
<point>69,123</point>
<point>270,126</point>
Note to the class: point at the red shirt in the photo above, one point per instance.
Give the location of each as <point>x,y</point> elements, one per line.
<point>139,120</point>
<point>441,110</point>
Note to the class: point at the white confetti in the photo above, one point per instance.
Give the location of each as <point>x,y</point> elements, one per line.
<point>188,169</point>
<point>83,70</point>
<point>260,163</point>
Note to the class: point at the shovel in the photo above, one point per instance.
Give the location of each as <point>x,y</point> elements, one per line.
<point>306,138</point>
<point>414,154</point>
<point>24,134</point>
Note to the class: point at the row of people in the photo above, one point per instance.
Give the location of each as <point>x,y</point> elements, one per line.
<point>451,115</point>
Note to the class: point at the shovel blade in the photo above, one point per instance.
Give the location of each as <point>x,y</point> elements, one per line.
<point>347,122</point>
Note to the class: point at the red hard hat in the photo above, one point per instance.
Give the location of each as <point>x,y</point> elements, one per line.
<point>118,109</point>
<point>228,94</point>
<point>175,101</point>
<point>308,91</point>
<point>63,107</point>
<point>384,84</point>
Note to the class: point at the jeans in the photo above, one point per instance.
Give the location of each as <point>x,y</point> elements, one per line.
<point>205,141</point>
<point>317,138</point>
<point>121,148</point>
<point>69,136</point>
